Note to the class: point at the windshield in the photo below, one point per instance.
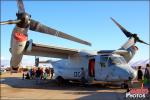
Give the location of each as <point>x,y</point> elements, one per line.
<point>116,60</point>
<point>104,59</point>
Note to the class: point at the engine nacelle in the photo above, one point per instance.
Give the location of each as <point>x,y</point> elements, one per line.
<point>131,52</point>
<point>18,41</point>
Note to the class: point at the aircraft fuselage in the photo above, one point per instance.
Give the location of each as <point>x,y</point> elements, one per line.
<point>98,68</point>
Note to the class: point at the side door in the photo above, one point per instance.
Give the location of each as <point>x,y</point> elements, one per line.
<point>91,67</point>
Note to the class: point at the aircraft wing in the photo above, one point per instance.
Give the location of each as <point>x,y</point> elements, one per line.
<point>49,51</point>
<point>121,52</point>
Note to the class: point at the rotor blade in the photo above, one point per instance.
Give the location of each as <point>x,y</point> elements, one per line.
<point>10,22</point>
<point>37,26</point>
<point>20,6</point>
<point>142,42</point>
<point>127,33</point>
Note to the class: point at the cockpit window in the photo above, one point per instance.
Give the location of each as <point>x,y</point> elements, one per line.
<point>103,61</point>
<point>116,60</point>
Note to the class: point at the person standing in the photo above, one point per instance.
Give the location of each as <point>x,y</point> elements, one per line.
<point>30,73</point>
<point>82,76</point>
<point>147,71</point>
<point>147,76</point>
<point>52,72</point>
<point>38,75</point>
<point>23,74</point>
<point>47,71</point>
<point>140,74</point>
<point>27,75</point>
<point>41,73</point>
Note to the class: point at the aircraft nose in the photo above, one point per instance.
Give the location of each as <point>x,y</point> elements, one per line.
<point>133,74</point>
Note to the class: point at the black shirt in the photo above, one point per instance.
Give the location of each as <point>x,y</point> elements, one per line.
<point>38,73</point>
<point>140,74</point>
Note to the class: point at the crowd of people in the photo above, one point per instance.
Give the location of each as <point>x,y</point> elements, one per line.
<point>38,73</point>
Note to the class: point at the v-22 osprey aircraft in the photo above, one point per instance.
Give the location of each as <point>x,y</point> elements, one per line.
<point>103,65</point>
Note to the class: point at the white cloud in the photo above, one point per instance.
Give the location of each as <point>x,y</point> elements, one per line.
<point>5,61</point>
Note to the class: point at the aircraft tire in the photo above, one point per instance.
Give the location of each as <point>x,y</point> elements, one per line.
<point>60,80</point>
<point>124,86</point>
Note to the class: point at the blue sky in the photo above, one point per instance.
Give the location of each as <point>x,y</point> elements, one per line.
<point>88,20</point>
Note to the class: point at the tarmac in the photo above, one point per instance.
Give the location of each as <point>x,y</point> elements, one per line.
<point>14,88</point>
